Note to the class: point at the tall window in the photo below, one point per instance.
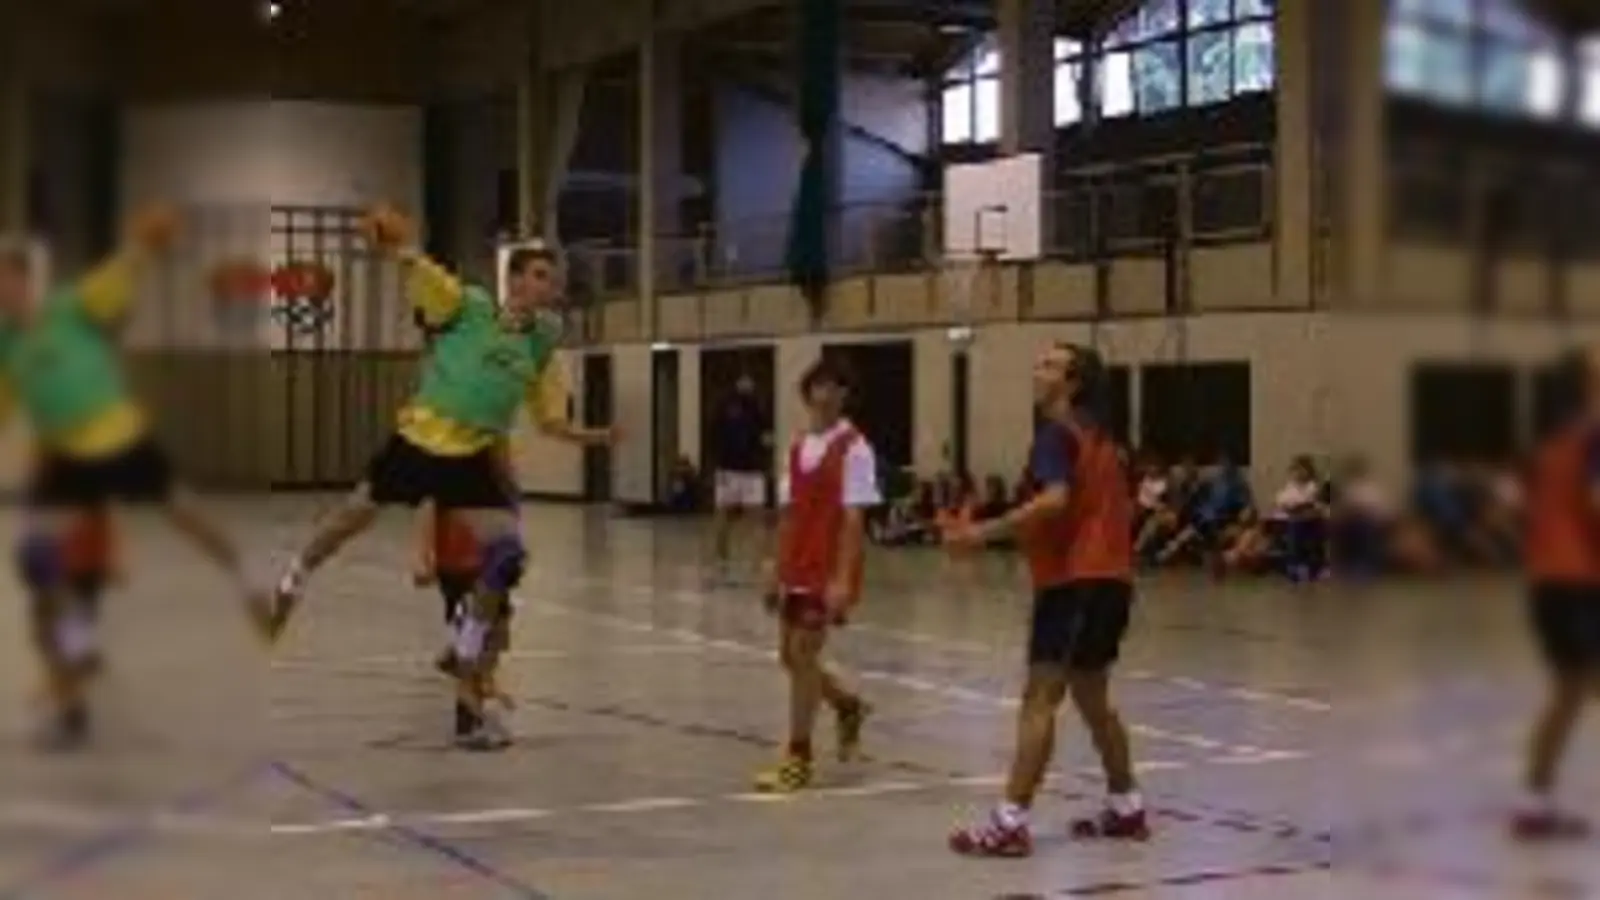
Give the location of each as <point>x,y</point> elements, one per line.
<point>1484,54</point>
<point>1172,53</point>
<point>1165,55</point>
<point>1070,64</point>
<point>970,100</point>
<point>1589,83</point>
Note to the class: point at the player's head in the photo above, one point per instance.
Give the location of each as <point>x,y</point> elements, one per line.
<point>1071,378</point>
<point>745,385</point>
<point>532,279</point>
<point>16,276</point>
<point>824,388</point>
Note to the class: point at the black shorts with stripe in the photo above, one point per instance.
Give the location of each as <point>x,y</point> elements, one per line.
<point>403,474</point>
<point>1080,624</point>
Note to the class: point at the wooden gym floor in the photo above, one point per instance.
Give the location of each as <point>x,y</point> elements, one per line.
<point>1309,743</point>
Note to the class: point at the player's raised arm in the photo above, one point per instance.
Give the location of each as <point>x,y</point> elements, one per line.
<point>435,292</point>
<point>547,399</point>
<point>107,290</point>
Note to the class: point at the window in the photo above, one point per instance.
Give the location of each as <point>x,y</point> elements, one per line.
<point>969,103</point>
<point>1158,77</point>
<point>1589,83</point>
<point>1488,54</point>
<point>1210,67</point>
<point>1068,82</point>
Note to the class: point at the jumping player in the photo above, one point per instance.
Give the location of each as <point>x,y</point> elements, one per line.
<point>830,480</point>
<point>1563,563</point>
<point>59,359</point>
<point>1076,533</point>
<point>485,359</point>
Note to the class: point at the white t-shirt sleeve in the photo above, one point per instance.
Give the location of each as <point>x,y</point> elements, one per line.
<point>861,476</point>
<point>783,481</point>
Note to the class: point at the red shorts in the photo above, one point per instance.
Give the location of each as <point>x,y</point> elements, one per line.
<point>803,609</point>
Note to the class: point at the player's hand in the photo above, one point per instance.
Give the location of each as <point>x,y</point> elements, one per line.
<point>424,573</point>
<point>611,435</point>
<point>154,228</point>
<point>836,597</point>
<point>961,538</point>
<point>385,228</point>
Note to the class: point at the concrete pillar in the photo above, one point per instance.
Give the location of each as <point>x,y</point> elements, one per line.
<point>14,160</point>
<point>1027,76</point>
<point>660,167</point>
<point>535,90</point>
<point>1295,169</point>
<point>1362,231</point>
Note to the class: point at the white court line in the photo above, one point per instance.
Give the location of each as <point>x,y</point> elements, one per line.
<point>79,819</point>
<point>696,599</point>
<point>313,664</point>
<point>921,685</point>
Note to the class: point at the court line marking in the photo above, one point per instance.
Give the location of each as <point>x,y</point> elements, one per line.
<point>909,682</point>
<point>68,818</point>
<point>320,664</point>
<point>696,599</point>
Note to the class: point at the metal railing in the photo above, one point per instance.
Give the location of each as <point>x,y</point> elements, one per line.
<point>1213,196</point>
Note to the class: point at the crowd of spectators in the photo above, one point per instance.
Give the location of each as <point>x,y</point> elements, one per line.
<point>1187,514</point>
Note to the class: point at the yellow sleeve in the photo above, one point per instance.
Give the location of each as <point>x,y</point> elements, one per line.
<point>107,292</point>
<point>435,293</point>
<point>547,394</point>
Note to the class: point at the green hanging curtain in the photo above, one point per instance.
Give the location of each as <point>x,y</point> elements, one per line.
<point>818,109</point>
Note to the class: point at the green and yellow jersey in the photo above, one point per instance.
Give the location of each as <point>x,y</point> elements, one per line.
<point>475,373</point>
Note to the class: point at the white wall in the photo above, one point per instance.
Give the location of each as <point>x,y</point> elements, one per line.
<point>544,466</point>
<point>632,409</point>
<point>232,163</point>
<point>273,152</point>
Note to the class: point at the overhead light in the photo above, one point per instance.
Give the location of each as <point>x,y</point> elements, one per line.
<point>953,28</point>
<point>660,347</point>
<point>271,10</point>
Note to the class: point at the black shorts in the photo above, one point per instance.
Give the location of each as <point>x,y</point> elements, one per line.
<point>140,474</point>
<point>1566,620</point>
<point>403,474</point>
<point>1080,624</point>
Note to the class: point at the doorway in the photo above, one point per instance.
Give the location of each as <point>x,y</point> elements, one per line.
<point>663,420</point>
<point>597,412</point>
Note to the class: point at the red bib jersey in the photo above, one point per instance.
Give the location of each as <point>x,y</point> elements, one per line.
<point>1563,530</point>
<point>455,548</point>
<point>826,475</point>
<point>1091,539</point>
<point>90,545</point>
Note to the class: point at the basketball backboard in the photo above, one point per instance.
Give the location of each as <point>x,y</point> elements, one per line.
<point>994,208</point>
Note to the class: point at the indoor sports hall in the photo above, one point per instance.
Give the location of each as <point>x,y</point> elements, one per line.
<point>1324,251</point>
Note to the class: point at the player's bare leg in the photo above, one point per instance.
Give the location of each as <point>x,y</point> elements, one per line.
<point>1124,815</point>
<point>1570,692</point>
<point>183,511</point>
<point>354,515</point>
<point>41,561</point>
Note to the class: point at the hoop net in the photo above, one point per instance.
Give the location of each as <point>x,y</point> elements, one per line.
<point>969,284</point>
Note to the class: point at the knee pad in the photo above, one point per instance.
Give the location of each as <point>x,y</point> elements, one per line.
<point>504,559</point>
<point>39,562</point>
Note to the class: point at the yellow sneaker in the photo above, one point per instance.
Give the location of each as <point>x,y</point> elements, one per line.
<point>788,777</point>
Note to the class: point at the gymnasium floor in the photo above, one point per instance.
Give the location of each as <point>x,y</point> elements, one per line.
<point>1307,744</point>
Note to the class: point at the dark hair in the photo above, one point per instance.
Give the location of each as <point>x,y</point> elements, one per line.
<point>1569,384</point>
<point>1092,398</point>
<point>522,257</point>
<point>827,370</point>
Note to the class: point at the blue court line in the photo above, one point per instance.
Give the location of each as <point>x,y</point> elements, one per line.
<point>123,839</point>
<point>419,839</point>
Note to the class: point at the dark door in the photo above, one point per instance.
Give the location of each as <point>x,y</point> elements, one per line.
<point>597,403</point>
<point>663,420</point>
<point>960,385</point>
<point>880,405</point>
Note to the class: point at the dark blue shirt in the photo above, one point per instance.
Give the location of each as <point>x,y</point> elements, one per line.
<point>1050,461</point>
<point>740,436</point>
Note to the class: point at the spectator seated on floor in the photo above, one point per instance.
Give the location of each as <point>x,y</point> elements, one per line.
<point>1365,529</point>
<point>1292,537</point>
<point>1150,501</point>
<point>1449,505</point>
<point>1498,518</point>
<point>1217,510</point>
<point>996,498</point>
<point>960,506</point>
<point>683,491</point>
<point>909,519</point>
<point>1168,519</point>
